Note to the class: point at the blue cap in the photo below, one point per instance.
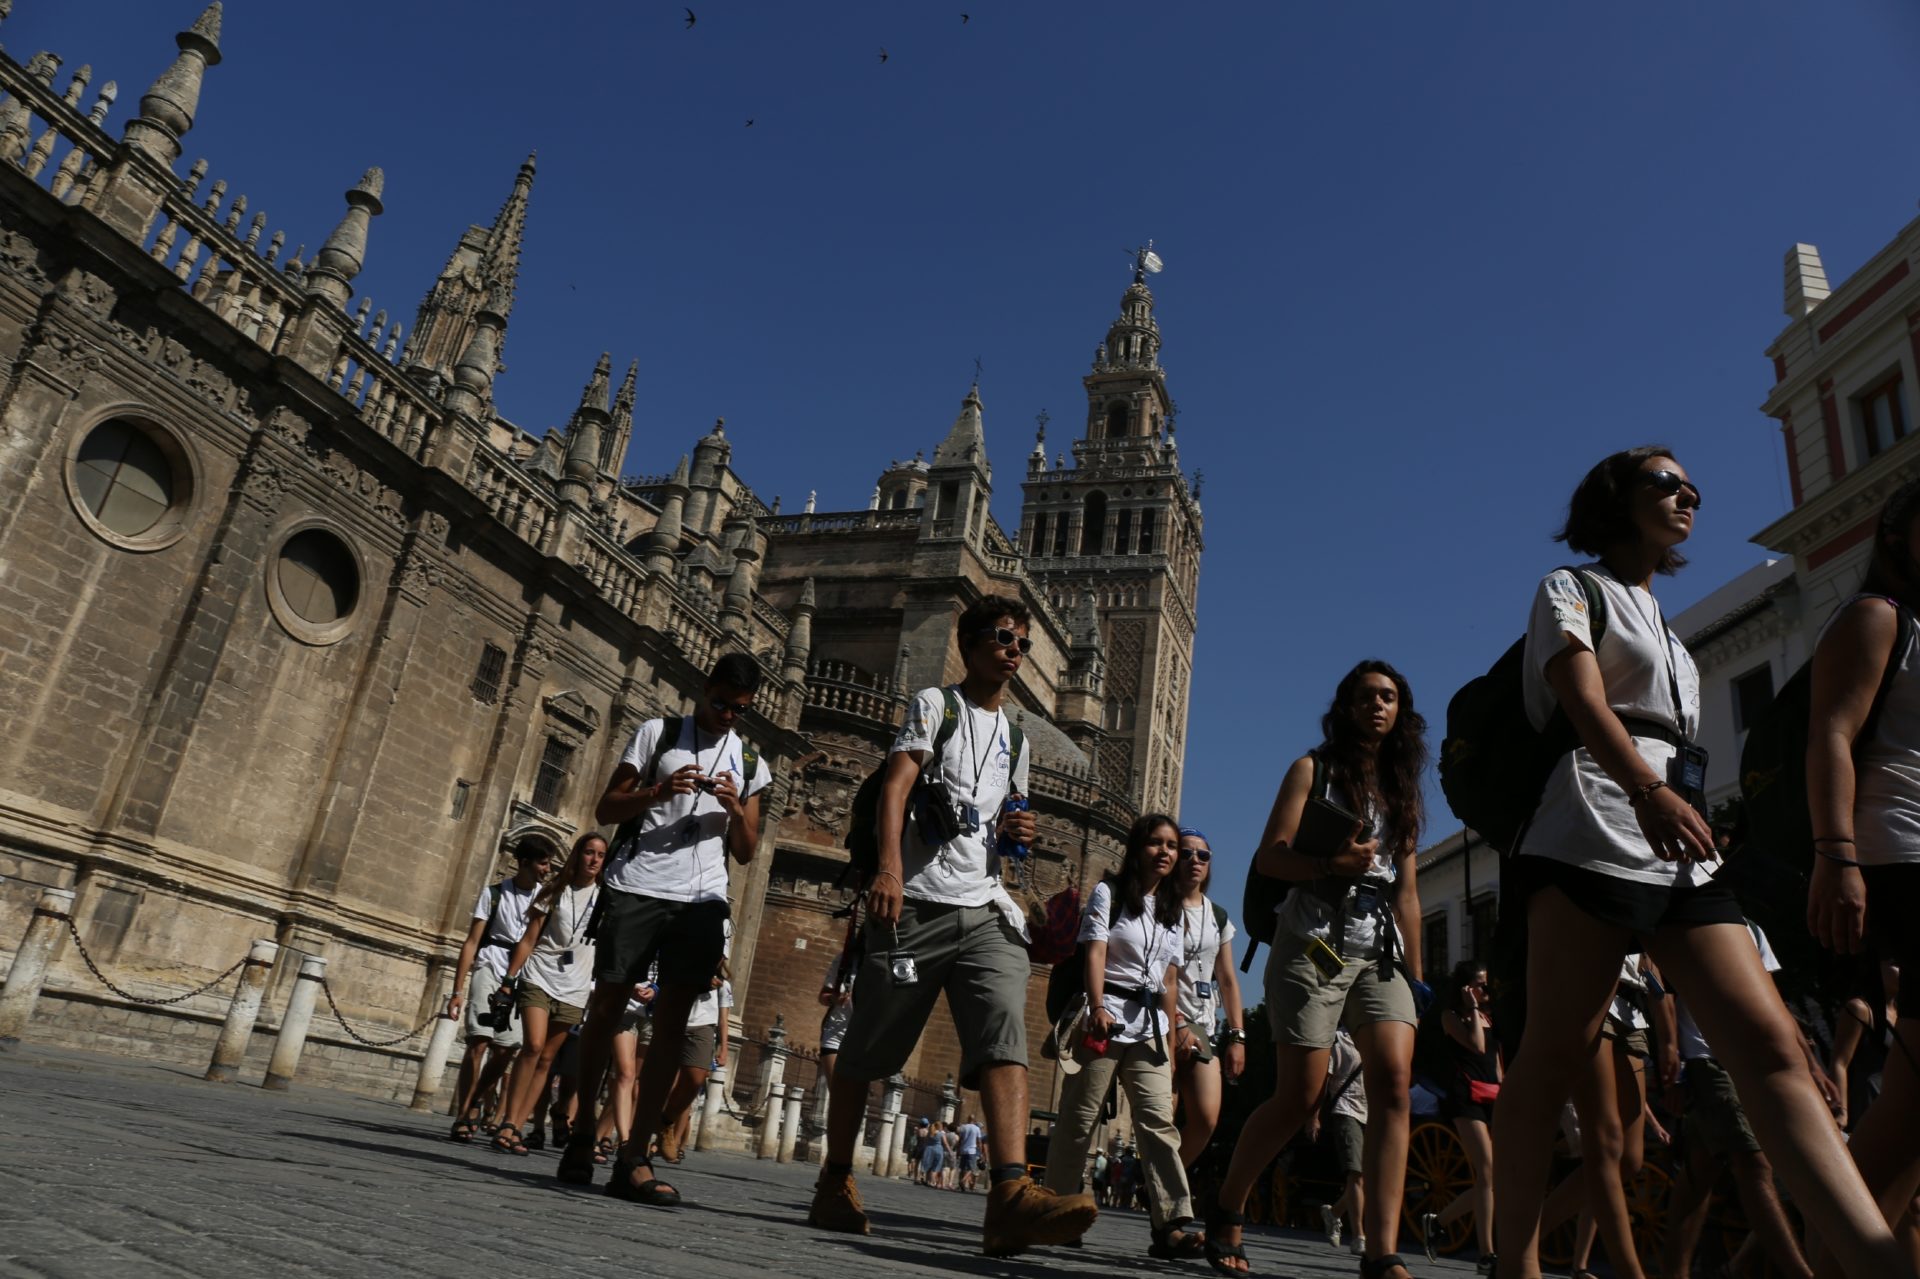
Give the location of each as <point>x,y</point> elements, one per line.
<point>1195,832</point>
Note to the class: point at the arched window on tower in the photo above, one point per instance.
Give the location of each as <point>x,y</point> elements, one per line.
<point>1093,524</point>
<point>1061,535</point>
<point>1146,532</point>
<point>1039,542</point>
<point>1123,533</point>
<point>1117,420</point>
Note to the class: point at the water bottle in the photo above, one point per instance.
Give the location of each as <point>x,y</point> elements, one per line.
<point>1007,846</point>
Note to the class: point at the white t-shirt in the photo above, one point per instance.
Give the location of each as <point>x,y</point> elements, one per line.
<point>1139,949</point>
<point>1625,1010</point>
<point>1343,1059</point>
<point>1306,912</point>
<point>681,852</point>
<point>1584,818</point>
<point>1886,788</point>
<point>509,923</point>
<point>636,1008</point>
<point>833,1026</point>
<point>1201,937</point>
<point>706,1008</point>
<point>1694,1044</point>
<point>564,934</point>
<point>979,772</point>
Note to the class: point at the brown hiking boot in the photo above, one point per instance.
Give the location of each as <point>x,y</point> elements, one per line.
<point>1023,1214</point>
<point>836,1205</point>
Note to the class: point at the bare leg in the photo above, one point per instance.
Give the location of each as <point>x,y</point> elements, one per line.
<point>1478,1140</point>
<point>1569,983</point>
<point>530,1067</point>
<point>846,1113</point>
<point>626,1073</point>
<point>1300,1076</point>
<point>1356,1198</point>
<point>1884,1143</point>
<point>467,1087</point>
<point>1386,1058</point>
<point>1199,1087</point>
<point>1687,1210</point>
<point>670,1009</point>
<point>1603,1142</point>
<point>1740,1013</point>
<point>1753,1179</point>
<point>1003,1095</point>
<point>605,1007</point>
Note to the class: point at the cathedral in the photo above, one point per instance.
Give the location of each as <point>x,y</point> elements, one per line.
<point>298,633</point>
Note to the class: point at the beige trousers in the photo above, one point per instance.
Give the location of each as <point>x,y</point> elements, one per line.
<point>1147,1079</point>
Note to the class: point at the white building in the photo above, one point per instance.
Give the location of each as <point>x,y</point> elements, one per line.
<point>1459,898</point>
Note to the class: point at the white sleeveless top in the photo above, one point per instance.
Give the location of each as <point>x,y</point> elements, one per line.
<point>1886,788</point>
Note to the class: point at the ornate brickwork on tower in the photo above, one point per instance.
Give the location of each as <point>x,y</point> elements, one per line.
<point>297,633</point>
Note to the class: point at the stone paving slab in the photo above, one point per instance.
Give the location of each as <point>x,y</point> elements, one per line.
<point>112,1166</point>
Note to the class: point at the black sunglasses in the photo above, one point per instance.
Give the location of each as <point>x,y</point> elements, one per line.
<point>1200,855</point>
<point>1007,639</point>
<point>1669,483</point>
<point>730,708</point>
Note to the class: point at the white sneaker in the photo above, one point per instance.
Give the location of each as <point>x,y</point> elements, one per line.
<point>1430,1234</point>
<point>1358,1245</point>
<point>1330,1224</point>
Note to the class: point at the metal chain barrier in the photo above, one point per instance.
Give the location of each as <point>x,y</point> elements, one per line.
<point>132,998</point>
<point>361,1039</point>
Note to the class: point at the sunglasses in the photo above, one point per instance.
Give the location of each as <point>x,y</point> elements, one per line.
<point>1200,855</point>
<point>730,708</point>
<point>1669,483</point>
<point>1007,639</point>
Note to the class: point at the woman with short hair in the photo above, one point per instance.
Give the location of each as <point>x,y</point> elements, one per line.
<point>1208,985</point>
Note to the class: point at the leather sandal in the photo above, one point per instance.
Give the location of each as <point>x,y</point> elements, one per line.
<point>1171,1243</point>
<point>604,1150</point>
<point>652,1192</point>
<point>507,1140</point>
<point>576,1164</point>
<point>1377,1267</point>
<point>1217,1253</point>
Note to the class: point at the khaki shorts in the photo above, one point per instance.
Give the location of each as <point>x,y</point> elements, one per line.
<point>698,1048</point>
<point>1714,1115</point>
<point>482,984</point>
<point>1631,1041</point>
<point>1306,1008</point>
<point>1348,1139</point>
<point>558,1014</point>
<point>639,1024</point>
<point>971,953</point>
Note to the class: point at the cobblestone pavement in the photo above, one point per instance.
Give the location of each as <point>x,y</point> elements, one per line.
<point>112,1166</point>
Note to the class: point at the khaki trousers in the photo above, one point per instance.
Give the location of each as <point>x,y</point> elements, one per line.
<point>1147,1079</point>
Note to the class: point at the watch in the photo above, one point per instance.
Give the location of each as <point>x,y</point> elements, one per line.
<point>1233,1035</point>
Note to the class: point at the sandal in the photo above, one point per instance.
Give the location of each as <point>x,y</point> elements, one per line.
<point>537,1139</point>
<point>1219,1254</point>
<point>1171,1243</point>
<point>576,1164</point>
<point>603,1150</point>
<point>462,1130</point>
<point>562,1130</point>
<point>507,1140</point>
<point>653,1192</point>
<point>1377,1267</point>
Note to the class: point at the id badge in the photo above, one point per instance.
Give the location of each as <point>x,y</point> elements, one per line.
<point>969,818</point>
<point>1689,772</point>
<point>1204,989</point>
<point>1366,899</point>
<point>566,958</point>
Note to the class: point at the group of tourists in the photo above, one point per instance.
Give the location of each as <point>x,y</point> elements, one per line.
<point>1626,982</point>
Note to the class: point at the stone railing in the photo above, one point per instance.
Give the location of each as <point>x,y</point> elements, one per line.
<point>1069,788</point>
<point>698,638</point>
<point>516,501</point>
<point>771,618</point>
<point>847,690</point>
<point>389,403</point>
<point>37,124</point>
<point>841,522</point>
<point>614,573</point>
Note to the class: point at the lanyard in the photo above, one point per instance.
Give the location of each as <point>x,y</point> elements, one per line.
<point>1659,622</point>
<point>573,929</point>
<point>1205,913</point>
<point>979,761</point>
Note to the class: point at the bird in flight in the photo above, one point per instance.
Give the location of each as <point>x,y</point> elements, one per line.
<point>965,18</point>
<point>691,19</point>
<point>749,123</point>
<point>883,53</point>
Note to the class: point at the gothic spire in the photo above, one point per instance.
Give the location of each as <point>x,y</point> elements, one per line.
<point>966,442</point>
<point>167,108</point>
<point>501,260</point>
<point>621,429</point>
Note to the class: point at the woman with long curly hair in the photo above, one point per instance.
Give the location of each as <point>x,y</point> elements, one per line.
<point>1132,954</point>
<point>1618,857</point>
<point>1346,945</point>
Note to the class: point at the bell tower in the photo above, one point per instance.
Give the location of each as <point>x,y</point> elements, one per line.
<point>1122,528</point>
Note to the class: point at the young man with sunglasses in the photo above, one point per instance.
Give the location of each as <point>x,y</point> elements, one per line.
<point>940,921</point>
<point>685,796</point>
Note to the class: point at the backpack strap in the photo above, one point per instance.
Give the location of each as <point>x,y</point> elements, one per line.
<point>750,762</point>
<point>1902,641</point>
<point>1596,601</point>
<point>1219,918</point>
<point>1016,742</point>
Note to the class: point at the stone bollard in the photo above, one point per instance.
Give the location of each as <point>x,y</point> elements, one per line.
<point>433,1066</point>
<point>716,1100</point>
<point>29,972</point>
<point>881,1140</point>
<point>767,1142</point>
<point>897,1146</point>
<point>949,1102</point>
<point>773,1068</point>
<point>231,1048</point>
<point>790,1126</point>
<point>292,1039</point>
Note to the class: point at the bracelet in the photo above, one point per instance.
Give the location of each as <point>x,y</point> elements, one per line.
<point>1641,794</point>
<point>1835,858</point>
<point>1831,839</point>
<point>890,875</point>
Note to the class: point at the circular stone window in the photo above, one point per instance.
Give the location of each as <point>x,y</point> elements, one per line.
<point>313,585</point>
<point>131,483</point>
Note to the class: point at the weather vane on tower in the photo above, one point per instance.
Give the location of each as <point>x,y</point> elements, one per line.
<point>1145,262</point>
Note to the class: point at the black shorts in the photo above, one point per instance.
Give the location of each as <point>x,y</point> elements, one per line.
<point>1893,895</point>
<point>1639,908</point>
<point>631,931</point>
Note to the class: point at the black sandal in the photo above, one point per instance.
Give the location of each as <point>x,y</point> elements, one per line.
<point>1377,1267</point>
<point>604,1150</point>
<point>507,1140</point>
<point>562,1130</point>
<point>1171,1243</point>
<point>652,1192</point>
<point>462,1130</point>
<point>1217,1253</point>
<point>576,1164</point>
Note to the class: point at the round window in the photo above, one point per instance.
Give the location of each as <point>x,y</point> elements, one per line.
<point>131,483</point>
<point>319,578</point>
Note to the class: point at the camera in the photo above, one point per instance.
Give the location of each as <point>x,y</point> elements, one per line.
<point>707,784</point>
<point>499,1014</point>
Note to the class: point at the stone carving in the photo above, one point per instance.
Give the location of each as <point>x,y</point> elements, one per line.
<point>89,292</point>
<point>263,483</point>
<point>65,355</point>
<point>828,797</point>
<point>571,717</point>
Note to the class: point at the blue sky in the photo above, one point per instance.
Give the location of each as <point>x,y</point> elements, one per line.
<point>1425,263</point>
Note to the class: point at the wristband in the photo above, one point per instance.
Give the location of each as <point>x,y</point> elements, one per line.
<point>1832,839</point>
<point>1641,794</point>
<point>1835,858</point>
<point>890,875</point>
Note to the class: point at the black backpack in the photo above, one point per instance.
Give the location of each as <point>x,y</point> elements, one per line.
<point>1776,857</point>
<point>863,819</point>
<point>1493,763</point>
<point>1260,899</point>
<point>670,727</point>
